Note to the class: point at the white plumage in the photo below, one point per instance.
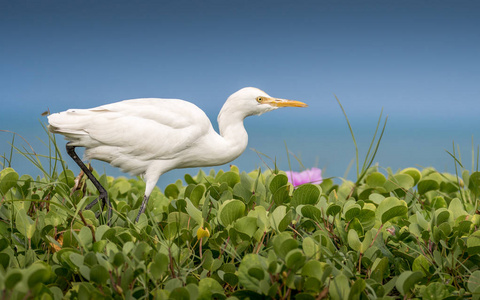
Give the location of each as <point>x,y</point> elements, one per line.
<point>151,136</point>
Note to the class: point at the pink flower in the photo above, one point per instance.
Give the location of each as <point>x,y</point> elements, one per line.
<point>313,175</point>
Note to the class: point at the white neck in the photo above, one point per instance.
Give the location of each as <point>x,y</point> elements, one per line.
<point>232,131</point>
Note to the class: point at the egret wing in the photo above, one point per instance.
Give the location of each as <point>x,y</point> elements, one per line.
<point>142,128</point>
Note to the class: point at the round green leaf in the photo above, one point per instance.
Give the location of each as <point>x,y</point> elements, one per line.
<point>8,179</point>
<point>171,191</point>
<point>4,260</point>
<point>354,241</point>
<point>357,288</point>
<point>257,273</point>
<point>118,259</point>
<point>179,293</point>
<point>426,185</point>
<point>390,208</point>
<point>311,212</point>
<point>230,177</point>
<point>474,182</point>
<point>245,279</point>
<point>280,180</point>
<point>351,212</point>
<point>280,218</point>
<point>247,225</point>
<point>231,279</point>
<point>295,259</point>
<point>414,173</point>
<point>230,211</point>
<point>306,194</point>
<point>37,274</point>
<point>333,209</point>
<point>421,264</point>
<point>13,278</point>
<point>407,280</point>
<point>399,181</point>
<point>281,195</point>
<point>314,268</point>
<point>375,179</point>
<point>473,243</point>
<point>339,288</point>
<point>99,274</point>
<point>474,281</point>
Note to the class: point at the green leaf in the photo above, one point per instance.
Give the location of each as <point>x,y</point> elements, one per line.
<point>208,288</point>
<point>256,273</point>
<point>122,185</point>
<point>37,274</point>
<point>399,181</point>
<point>333,209</point>
<point>159,266</point>
<point>278,181</point>
<point>375,179</point>
<point>306,194</point>
<point>76,259</point>
<point>474,182</point>
<point>390,208</point>
<point>421,264</point>
<point>414,173</point>
<point>99,274</point>
<point>426,185</point>
<point>356,290</point>
<point>353,240</point>
<point>407,280</point>
<point>351,211</point>
<point>379,268</point>
<point>284,243</point>
<point>24,224</point>
<point>230,211</point>
<point>474,281</point>
<point>179,293</point>
<point>4,260</point>
<point>231,178</point>
<point>280,218</point>
<point>247,225</point>
<point>245,279</point>
<point>311,212</point>
<point>295,259</point>
<point>8,179</point>
<point>457,208</point>
<point>310,247</point>
<point>194,212</point>
<point>314,268</point>
<point>435,291</point>
<point>473,243</point>
<point>118,259</point>
<point>197,194</point>
<point>13,277</point>
<point>172,191</point>
<point>339,288</point>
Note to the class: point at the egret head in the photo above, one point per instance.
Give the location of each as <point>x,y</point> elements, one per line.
<point>252,101</point>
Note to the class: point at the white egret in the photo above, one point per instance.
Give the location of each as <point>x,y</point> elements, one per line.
<point>149,137</point>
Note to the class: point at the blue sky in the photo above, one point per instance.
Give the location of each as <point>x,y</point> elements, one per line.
<point>419,60</point>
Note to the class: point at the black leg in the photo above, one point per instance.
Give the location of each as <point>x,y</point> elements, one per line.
<point>142,207</point>
<point>103,193</point>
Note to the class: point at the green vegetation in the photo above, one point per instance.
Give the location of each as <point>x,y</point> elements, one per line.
<point>231,234</point>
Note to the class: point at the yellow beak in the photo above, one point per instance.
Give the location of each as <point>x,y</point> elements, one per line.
<point>277,102</point>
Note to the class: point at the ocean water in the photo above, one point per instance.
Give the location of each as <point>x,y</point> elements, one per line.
<point>324,142</point>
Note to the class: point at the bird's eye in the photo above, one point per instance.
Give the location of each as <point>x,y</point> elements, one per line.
<point>259,99</point>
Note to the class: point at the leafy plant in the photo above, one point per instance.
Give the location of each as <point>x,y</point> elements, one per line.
<point>231,234</point>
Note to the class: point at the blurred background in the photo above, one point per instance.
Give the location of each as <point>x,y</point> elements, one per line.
<point>418,60</point>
